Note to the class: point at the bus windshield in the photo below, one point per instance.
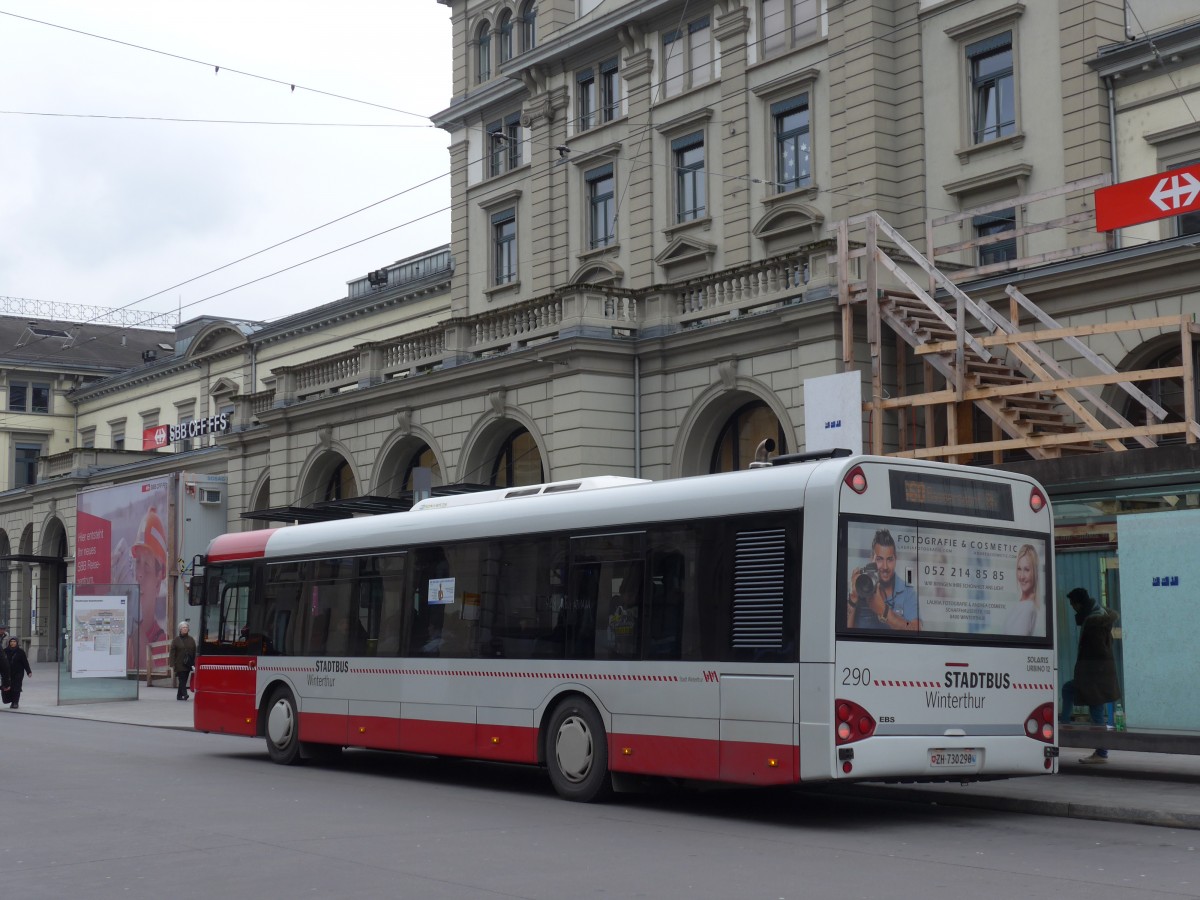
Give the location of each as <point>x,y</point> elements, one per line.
<point>930,580</point>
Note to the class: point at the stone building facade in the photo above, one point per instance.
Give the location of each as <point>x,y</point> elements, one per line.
<point>662,211</point>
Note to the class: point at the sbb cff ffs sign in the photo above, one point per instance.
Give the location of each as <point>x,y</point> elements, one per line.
<point>1159,196</point>
<point>158,436</point>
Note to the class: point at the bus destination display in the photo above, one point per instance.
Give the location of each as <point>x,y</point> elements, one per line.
<point>924,492</point>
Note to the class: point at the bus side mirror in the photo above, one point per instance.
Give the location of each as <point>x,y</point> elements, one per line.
<point>196,591</point>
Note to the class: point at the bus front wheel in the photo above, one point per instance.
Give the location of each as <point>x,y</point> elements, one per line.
<point>577,752</point>
<point>283,728</point>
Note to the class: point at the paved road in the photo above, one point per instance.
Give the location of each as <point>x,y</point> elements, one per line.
<point>100,810</point>
<point>1146,788</point>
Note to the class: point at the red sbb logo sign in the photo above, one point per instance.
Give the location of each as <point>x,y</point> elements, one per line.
<point>155,437</point>
<point>1159,196</point>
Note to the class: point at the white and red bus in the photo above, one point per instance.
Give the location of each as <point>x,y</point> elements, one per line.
<point>820,617</point>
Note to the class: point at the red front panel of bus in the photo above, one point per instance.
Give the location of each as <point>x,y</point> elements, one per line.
<point>225,687</point>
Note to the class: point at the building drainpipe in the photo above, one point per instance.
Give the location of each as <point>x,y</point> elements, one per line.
<point>1112,142</point>
<point>637,416</point>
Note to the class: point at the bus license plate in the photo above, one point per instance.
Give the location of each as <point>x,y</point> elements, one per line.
<point>953,759</point>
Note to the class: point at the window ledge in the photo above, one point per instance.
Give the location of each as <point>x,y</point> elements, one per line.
<point>704,223</point>
<point>599,127</point>
<point>594,252</point>
<point>687,92</point>
<point>489,179</point>
<point>1011,142</point>
<point>801,193</point>
<point>497,290</point>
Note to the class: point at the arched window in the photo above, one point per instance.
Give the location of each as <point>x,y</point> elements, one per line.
<point>1166,392</point>
<point>422,459</point>
<point>504,35</point>
<point>340,485</point>
<point>528,26</point>
<point>742,433</point>
<point>483,69</point>
<point>518,462</point>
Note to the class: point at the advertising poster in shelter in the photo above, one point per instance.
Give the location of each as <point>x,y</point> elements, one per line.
<point>99,628</point>
<point>122,537</point>
<point>949,581</point>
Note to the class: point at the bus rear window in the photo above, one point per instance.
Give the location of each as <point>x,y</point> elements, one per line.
<point>908,579</point>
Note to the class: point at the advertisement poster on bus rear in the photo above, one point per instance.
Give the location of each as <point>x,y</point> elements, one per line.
<point>949,581</point>
<point>99,629</point>
<point>122,537</point>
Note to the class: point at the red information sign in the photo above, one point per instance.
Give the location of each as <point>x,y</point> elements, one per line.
<point>1146,199</point>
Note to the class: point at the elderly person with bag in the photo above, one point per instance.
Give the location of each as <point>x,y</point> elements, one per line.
<point>18,667</point>
<point>181,658</point>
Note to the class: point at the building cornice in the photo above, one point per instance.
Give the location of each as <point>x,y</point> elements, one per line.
<point>1150,56</point>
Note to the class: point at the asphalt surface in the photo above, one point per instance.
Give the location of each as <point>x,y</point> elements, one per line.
<point>1144,788</point>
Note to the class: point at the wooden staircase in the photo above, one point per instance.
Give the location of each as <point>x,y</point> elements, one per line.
<point>1017,415</point>
<point>987,361</point>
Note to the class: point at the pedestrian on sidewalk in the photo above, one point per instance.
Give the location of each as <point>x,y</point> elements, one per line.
<point>181,658</point>
<point>1095,684</point>
<point>18,664</point>
<point>5,673</point>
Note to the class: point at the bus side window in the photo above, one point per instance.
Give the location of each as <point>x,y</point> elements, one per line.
<point>664,625</point>
<point>617,637</point>
<point>579,611</point>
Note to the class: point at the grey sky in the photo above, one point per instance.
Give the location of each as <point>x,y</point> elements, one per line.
<point>105,212</point>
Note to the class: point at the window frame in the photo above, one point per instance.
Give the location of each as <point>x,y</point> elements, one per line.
<point>528,26</point>
<point>22,460</point>
<point>585,99</point>
<point>601,204</point>
<point>609,89</point>
<point>800,136</point>
<point>503,247</point>
<point>687,76</point>
<point>505,46</point>
<point>697,175</point>
<point>979,131</point>
<point>28,393</point>
<point>503,138</point>
<point>788,38</point>
<point>483,52</point>
<point>999,222</point>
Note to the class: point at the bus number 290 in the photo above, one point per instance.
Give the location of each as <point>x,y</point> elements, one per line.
<point>856,676</point>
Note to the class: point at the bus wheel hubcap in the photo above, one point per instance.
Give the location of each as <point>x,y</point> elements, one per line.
<point>280,724</point>
<point>573,749</point>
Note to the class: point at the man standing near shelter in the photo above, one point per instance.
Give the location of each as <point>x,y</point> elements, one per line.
<point>1095,683</point>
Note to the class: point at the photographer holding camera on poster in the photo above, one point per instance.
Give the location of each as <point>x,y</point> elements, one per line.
<point>877,598</point>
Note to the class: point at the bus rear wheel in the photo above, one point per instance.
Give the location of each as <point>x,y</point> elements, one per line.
<point>283,728</point>
<point>577,752</point>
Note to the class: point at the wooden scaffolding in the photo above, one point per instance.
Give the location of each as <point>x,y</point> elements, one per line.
<point>961,366</point>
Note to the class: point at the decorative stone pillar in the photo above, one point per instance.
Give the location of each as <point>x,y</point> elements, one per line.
<point>546,244</point>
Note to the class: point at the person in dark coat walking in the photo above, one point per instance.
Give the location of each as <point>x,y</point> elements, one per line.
<point>1095,684</point>
<point>181,658</point>
<point>18,664</point>
<point>5,669</point>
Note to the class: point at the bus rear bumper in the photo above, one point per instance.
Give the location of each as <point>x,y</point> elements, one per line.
<point>941,758</point>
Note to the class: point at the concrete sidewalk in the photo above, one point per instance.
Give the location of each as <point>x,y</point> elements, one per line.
<point>1148,788</point>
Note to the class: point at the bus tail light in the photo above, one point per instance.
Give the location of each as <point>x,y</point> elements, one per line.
<point>856,480</point>
<point>1039,725</point>
<point>1037,500</point>
<point>853,722</point>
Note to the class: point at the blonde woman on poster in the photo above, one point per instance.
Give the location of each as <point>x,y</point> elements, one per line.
<point>1023,619</point>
